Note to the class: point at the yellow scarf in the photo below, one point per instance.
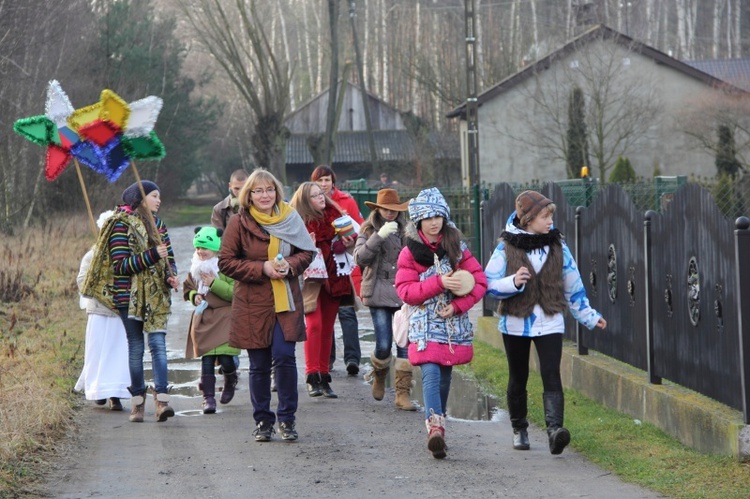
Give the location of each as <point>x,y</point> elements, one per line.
<point>280,297</point>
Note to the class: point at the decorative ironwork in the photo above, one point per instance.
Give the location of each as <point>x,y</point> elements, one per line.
<point>719,308</point>
<point>592,277</point>
<point>612,273</point>
<point>631,285</point>
<point>668,296</point>
<point>694,292</point>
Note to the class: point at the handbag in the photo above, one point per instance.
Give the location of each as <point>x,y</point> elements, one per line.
<point>401,325</point>
<point>310,292</point>
<point>317,269</point>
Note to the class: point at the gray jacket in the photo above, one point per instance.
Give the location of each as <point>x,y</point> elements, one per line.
<point>377,257</point>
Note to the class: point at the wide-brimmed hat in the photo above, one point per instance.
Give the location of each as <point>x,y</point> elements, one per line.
<point>388,200</point>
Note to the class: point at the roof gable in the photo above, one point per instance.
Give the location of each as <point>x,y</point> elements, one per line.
<point>310,117</point>
<point>598,32</point>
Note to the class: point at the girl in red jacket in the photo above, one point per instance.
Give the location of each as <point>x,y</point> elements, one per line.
<point>440,278</point>
<point>318,212</point>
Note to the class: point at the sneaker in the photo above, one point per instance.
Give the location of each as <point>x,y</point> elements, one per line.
<point>287,430</point>
<point>352,368</point>
<point>263,431</point>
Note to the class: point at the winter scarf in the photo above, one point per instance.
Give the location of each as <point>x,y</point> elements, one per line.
<point>287,230</point>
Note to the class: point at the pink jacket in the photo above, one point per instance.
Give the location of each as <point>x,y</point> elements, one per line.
<point>415,292</point>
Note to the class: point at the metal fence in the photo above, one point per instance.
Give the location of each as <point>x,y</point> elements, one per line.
<point>669,271</point>
<point>731,197</point>
<point>463,202</point>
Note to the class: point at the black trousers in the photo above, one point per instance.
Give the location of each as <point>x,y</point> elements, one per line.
<point>549,351</point>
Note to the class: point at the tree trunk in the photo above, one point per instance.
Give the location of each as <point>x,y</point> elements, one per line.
<point>415,95</point>
<point>333,78</point>
<point>285,41</point>
<point>682,28</point>
<point>305,42</point>
<point>478,45</point>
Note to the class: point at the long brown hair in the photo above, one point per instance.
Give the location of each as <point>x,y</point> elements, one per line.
<point>451,241</point>
<point>142,211</point>
<point>302,202</point>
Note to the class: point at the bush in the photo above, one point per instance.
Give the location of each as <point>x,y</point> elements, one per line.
<point>623,172</point>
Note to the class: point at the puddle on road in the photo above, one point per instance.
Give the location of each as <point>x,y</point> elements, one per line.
<point>465,401</point>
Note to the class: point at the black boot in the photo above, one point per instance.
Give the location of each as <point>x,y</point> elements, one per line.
<point>313,385</point>
<point>554,412</point>
<point>230,383</point>
<point>517,409</point>
<point>208,387</point>
<point>325,387</point>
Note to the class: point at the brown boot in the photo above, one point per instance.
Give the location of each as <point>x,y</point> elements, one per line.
<point>379,372</point>
<point>436,435</point>
<point>163,411</point>
<point>403,385</point>
<point>137,407</point>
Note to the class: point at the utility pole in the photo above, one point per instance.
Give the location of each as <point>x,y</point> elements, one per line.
<point>363,87</point>
<point>472,124</point>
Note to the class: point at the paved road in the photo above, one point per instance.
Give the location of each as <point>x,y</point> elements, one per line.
<point>351,445</point>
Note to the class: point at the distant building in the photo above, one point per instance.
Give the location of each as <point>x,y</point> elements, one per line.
<point>509,110</point>
<point>396,148</point>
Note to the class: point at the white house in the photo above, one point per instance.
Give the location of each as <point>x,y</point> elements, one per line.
<point>638,101</point>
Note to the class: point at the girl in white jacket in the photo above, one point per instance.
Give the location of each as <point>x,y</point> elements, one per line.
<point>533,274</point>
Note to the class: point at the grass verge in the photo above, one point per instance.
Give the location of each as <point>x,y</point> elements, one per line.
<point>183,213</point>
<point>41,345</point>
<point>637,452</point>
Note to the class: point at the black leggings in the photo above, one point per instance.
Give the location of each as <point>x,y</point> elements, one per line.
<point>209,361</point>
<point>549,351</point>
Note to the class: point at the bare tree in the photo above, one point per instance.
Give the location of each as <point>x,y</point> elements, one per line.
<point>235,35</point>
<point>621,104</point>
<point>710,111</point>
<point>37,44</point>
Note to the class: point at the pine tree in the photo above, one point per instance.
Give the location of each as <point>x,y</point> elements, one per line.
<point>623,172</point>
<point>578,147</point>
<point>138,54</point>
<point>726,154</point>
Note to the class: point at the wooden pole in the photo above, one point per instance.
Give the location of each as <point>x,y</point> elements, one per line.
<point>86,197</point>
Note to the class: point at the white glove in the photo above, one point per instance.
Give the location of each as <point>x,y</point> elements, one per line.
<point>387,229</point>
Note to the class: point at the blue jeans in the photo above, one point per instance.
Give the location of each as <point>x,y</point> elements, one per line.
<point>382,321</point>
<point>436,384</point>
<point>280,355</point>
<point>157,344</point>
<point>350,335</point>
<point>209,361</point>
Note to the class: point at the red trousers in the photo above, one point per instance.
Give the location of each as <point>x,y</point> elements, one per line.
<point>319,326</point>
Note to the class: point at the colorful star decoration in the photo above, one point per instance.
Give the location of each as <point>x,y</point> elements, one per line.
<point>104,136</point>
